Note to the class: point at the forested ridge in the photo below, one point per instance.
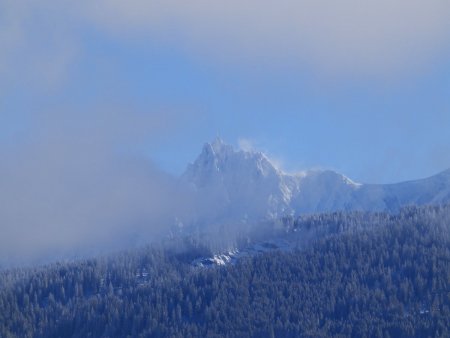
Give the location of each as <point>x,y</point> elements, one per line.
<point>360,275</point>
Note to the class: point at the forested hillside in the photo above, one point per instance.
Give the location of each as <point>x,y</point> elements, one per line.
<point>361,275</point>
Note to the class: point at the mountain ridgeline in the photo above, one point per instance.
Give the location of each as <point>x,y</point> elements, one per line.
<point>245,186</point>
<point>322,256</point>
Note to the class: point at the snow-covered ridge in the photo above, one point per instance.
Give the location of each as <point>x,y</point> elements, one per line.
<point>245,186</point>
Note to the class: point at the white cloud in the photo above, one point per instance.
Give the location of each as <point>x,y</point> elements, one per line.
<point>246,144</point>
<point>38,44</point>
<point>361,37</point>
<point>68,185</point>
<point>40,40</point>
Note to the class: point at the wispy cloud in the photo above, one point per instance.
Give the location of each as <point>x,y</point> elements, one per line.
<point>350,36</point>
<point>39,44</point>
<point>69,184</point>
<point>246,144</point>
<point>41,40</point>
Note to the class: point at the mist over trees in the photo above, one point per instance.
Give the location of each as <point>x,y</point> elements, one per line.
<point>358,275</point>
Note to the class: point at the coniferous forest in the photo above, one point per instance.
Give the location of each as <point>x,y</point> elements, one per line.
<point>357,275</point>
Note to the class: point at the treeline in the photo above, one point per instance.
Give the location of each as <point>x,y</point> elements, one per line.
<point>369,275</point>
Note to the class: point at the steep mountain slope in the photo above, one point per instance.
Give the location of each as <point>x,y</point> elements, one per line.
<point>237,185</point>
<point>364,275</point>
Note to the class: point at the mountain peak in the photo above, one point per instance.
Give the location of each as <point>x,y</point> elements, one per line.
<point>218,156</point>
<point>219,145</point>
<point>244,184</point>
<point>216,149</point>
<point>238,184</point>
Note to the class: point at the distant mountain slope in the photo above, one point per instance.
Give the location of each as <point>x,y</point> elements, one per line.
<point>360,275</point>
<point>237,185</point>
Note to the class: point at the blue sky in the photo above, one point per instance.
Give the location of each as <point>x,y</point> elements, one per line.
<point>364,91</point>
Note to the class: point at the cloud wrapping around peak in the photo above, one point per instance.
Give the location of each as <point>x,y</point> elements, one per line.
<point>67,181</point>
